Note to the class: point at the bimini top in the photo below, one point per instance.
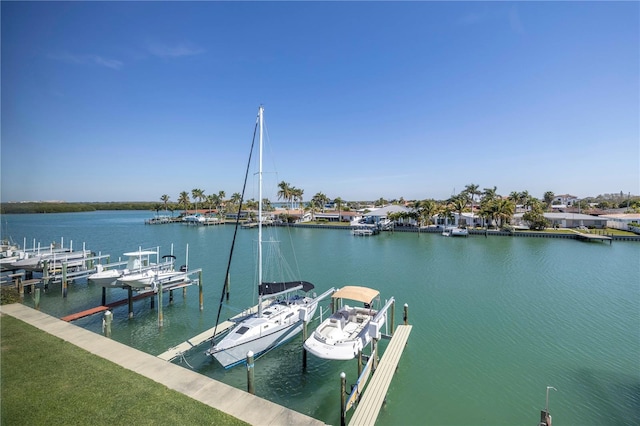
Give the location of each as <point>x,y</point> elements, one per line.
<point>273,288</point>
<point>360,294</point>
<point>140,253</point>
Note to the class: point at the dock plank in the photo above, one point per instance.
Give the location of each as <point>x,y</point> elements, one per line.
<point>84,313</point>
<point>369,406</point>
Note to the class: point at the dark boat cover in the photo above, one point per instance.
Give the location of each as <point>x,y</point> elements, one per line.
<point>272,288</point>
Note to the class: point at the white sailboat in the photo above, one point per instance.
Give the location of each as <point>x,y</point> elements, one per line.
<point>281,307</point>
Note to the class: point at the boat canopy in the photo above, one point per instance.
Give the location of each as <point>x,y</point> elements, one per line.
<point>279,287</point>
<point>140,253</point>
<point>360,294</point>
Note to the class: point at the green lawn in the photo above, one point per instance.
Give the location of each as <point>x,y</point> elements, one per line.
<point>47,381</point>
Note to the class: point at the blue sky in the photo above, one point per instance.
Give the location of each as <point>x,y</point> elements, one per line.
<point>127,101</point>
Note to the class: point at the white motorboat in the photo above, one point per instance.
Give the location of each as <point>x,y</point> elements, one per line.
<point>147,275</point>
<point>364,231</point>
<point>53,258</point>
<point>281,306</point>
<point>349,329</point>
<point>455,231</point>
<point>194,219</point>
<point>138,262</point>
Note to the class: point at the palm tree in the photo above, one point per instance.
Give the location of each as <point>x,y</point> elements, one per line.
<point>198,195</point>
<point>426,209</point>
<point>338,202</point>
<point>548,198</point>
<point>319,200</point>
<point>235,198</point>
<point>212,201</point>
<point>165,201</point>
<point>458,204</point>
<point>285,192</point>
<point>472,190</point>
<point>184,201</point>
<point>297,195</point>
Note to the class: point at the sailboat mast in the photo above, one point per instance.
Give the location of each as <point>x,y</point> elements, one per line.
<point>260,117</point>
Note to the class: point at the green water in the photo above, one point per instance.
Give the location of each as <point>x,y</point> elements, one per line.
<point>496,320</point>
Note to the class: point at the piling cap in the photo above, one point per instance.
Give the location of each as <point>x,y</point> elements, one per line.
<point>342,375</point>
<point>250,353</point>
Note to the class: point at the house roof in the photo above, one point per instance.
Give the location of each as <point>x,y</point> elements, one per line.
<point>384,211</point>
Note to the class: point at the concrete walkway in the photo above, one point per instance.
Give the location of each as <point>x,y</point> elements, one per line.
<point>240,404</point>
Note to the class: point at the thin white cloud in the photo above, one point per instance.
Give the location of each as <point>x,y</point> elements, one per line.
<point>173,51</point>
<point>88,60</point>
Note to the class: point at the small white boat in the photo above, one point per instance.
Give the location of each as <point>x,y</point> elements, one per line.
<point>348,330</point>
<point>364,231</point>
<point>194,219</point>
<point>454,231</point>
<point>148,275</point>
<point>138,261</point>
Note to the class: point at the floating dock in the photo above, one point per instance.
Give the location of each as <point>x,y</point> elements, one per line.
<point>376,392</point>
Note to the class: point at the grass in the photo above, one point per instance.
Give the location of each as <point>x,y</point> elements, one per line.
<point>47,381</point>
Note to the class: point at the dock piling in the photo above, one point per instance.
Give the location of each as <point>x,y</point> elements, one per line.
<point>227,286</point>
<point>130,300</point>
<point>200,290</point>
<point>343,398</point>
<point>64,280</point>
<point>106,323</point>
<point>250,373</point>
<point>406,314</point>
<point>37,298</point>
<point>304,351</point>
<point>160,313</point>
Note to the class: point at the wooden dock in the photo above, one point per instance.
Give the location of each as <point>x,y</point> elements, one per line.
<point>183,347</point>
<point>174,352</point>
<point>106,306</point>
<point>375,394</point>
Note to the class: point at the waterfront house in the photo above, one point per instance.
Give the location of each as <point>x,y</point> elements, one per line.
<point>622,221</point>
<point>568,220</point>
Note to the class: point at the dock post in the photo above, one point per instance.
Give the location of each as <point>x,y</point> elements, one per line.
<point>304,351</point>
<point>64,280</point>
<point>374,354</point>
<point>153,302</point>
<point>160,313</point>
<point>393,316</point>
<point>104,296</point>
<point>170,296</point>
<point>227,286</point>
<point>45,272</point>
<point>20,288</point>
<point>359,363</point>
<point>200,290</point>
<point>343,397</point>
<point>406,314</point>
<point>130,297</point>
<point>250,367</point>
<point>106,323</point>
<point>37,298</point>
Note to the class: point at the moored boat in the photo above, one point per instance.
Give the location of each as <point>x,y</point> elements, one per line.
<point>349,329</point>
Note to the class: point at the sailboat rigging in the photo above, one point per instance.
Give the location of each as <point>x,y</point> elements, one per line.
<point>281,307</point>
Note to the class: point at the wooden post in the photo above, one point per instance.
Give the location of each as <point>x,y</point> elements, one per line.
<point>104,296</point>
<point>37,298</point>
<point>343,397</point>
<point>64,280</point>
<point>170,296</point>
<point>250,366</point>
<point>406,314</point>
<point>160,313</point>
<point>359,362</point>
<point>20,288</point>
<point>200,290</point>
<point>227,286</point>
<point>304,351</point>
<point>130,297</point>
<point>153,302</point>
<point>393,316</point>
<point>45,272</point>
<point>106,323</point>
<point>374,354</point>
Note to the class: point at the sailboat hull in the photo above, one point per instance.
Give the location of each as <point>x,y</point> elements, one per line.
<point>261,334</point>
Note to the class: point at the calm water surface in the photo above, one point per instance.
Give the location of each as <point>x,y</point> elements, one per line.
<point>496,319</point>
